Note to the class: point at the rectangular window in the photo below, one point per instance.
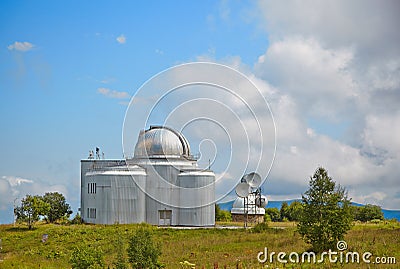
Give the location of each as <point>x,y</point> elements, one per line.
<point>91,213</point>
<point>92,187</point>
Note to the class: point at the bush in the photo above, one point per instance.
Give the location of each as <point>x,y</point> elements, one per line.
<point>87,258</point>
<point>77,219</point>
<point>260,227</point>
<point>142,251</point>
<point>273,214</point>
<point>222,215</point>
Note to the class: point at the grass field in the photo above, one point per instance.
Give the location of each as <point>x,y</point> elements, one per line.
<point>207,248</point>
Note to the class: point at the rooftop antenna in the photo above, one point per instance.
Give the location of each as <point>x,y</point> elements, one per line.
<point>97,153</point>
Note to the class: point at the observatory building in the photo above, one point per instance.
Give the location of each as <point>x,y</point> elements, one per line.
<point>160,185</point>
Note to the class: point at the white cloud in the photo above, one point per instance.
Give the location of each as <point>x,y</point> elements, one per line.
<point>21,46</point>
<point>13,187</point>
<point>366,24</point>
<point>121,39</point>
<point>317,66</point>
<point>113,94</point>
<point>327,61</point>
<point>303,68</point>
<point>16,181</point>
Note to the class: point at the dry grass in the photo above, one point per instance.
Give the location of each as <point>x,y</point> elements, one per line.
<point>229,248</point>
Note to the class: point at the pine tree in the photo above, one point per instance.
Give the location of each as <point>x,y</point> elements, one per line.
<point>327,212</point>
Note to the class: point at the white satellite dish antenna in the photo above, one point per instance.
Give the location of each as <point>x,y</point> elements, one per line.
<point>243,189</point>
<point>253,179</point>
<point>261,201</point>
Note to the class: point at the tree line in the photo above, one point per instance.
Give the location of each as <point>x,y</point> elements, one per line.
<point>294,211</point>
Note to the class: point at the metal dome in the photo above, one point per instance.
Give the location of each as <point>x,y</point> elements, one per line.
<point>161,142</point>
<point>238,206</point>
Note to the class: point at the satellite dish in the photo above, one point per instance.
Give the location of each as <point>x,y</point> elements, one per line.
<point>242,189</point>
<point>261,201</point>
<point>253,179</point>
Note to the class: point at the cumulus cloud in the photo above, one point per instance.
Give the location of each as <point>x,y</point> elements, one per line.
<point>14,188</point>
<point>21,46</point>
<point>366,25</point>
<point>113,93</point>
<point>333,85</point>
<point>121,39</point>
<point>334,64</point>
<point>316,77</point>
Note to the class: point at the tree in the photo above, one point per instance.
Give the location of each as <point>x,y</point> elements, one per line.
<point>222,215</point>
<point>59,208</point>
<point>295,211</point>
<point>284,211</point>
<point>32,207</point>
<point>273,214</point>
<point>142,251</point>
<point>327,212</point>
<point>368,212</point>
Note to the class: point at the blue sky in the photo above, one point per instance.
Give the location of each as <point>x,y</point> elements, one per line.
<point>68,69</point>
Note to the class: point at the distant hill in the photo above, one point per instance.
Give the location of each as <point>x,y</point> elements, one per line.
<point>388,214</point>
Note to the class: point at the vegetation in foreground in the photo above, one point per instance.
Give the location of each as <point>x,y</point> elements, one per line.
<point>323,218</point>
<point>206,248</point>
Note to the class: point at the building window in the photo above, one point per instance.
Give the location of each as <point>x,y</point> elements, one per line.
<point>92,187</point>
<point>91,212</point>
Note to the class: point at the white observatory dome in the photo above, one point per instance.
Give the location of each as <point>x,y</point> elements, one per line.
<point>161,142</point>
<point>238,206</point>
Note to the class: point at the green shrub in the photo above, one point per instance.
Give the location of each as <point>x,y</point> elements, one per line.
<point>260,227</point>
<point>85,257</point>
<point>222,215</point>
<point>77,219</point>
<point>142,251</point>
<point>273,214</point>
